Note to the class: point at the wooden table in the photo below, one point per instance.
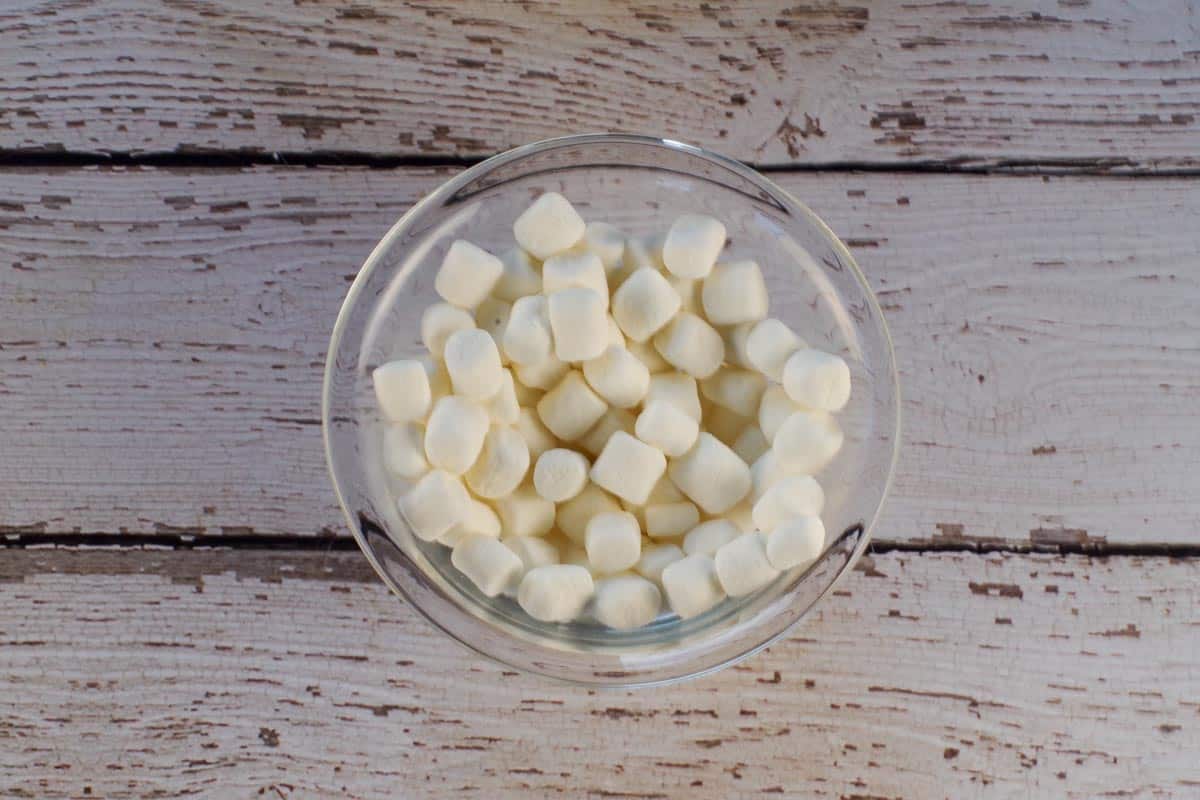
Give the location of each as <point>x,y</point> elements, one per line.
<point>186,191</point>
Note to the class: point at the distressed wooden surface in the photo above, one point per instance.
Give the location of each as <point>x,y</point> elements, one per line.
<point>164,674</point>
<point>163,335</point>
<point>1091,82</point>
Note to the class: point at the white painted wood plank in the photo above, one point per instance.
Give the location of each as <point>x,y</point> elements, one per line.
<point>144,674</point>
<point>1101,81</point>
<point>163,336</point>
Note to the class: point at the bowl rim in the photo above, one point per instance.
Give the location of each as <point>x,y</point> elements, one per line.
<point>465,177</point>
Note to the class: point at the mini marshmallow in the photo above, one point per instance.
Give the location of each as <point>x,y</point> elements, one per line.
<point>478,520</point>
<point>817,379</point>
<point>543,375</point>
<point>708,537</point>
<point>773,410</point>
<point>402,390</point>
<point>615,419</point>
<point>796,543</point>
<point>527,338</point>
<point>644,304</point>
<point>580,269</point>
<point>524,513</point>
<point>404,450</point>
<point>667,427</point>
<point>467,275</point>
<point>624,602</point>
<point>435,373</point>
<point>454,434</point>
<point>765,473</point>
<point>492,316</point>
<point>607,242</point>
<point>474,364</point>
<point>735,293</point>
<point>678,389</point>
<point>655,559</point>
<point>629,468</point>
<point>742,566</point>
<point>434,505</point>
<point>574,515</point>
<point>769,345</point>
<point>579,320</point>
<point>503,407</point>
<point>711,475</point>
<point>501,465</point>
<point>739,390</point>
<point>550,225</point>
<point>735,338</point>
<point>536,437</point>
<point>575,554</point>
<point>664,492</point>
<point>571,407</point>
<point>615,337</point>
<point>750,444</point>
<point>689,291</point>
<point>671,519</point>
<point>613,541</point>
<point>439,321</point>
<point>793,496</point>
<point>724,424</point>
<point>645,353</point>
<point>490,565</point>
<point>807,441</point>
<point>642,252</point>
<point>691,345</point>
<point>691,585</point>
<point>742,516</point>
<point>519,278</point>
<point>692,245</point>
<point>526,395</point>
<point>560,474</point>
<point>555,593</point>
<point>618,376</point>
<point>533,551</point>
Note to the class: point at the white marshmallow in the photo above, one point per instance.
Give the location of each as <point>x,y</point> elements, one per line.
<point>536,437</point>
<point>807,441</point>
<point>735,293</point>
<point>667,520</point>
<point>708,537</point>
<point>645,353</point>
<point>768,346</point>
<point>739,390</point>
<point>664,492</point>
<point>577,268</point>
<point>575,555</point>
<point>478,519</point>
<point>490,565</point>
<point>644,304</point>
<point>615,337</point>
<point>750,444</point>
<point>439,321</point>
<point>711,475</point>
<point>402,390</point>
<point>519,278</point>
<point>742,565</point>
<point>793,496</point>
<point>533,551</point>
<point>574,515</point>
<point>765,473</point>
<point>624,602</point>
<point>689,292</point>
<point>435,373</point>
<point>691,345</point>
<point>642,252</point>
<point>454,434</point>
<point>434,505</point>
<point>474,364</point>
<point>667,427</point>
<point>550,225</point>
<point>560,474</point>
<point>615,419</point>
<point>796,543</point>
<point>655,559</point>
<point>675,388</point>
<point>527,396</point>
<point>724,424</point>
<point>692,245</point>
<point>742,516</point>
<point>691,586</point>
<point>735,338</point>
<point>501,465</point>
<point>579,320</point>
<point>607,242</point>
<point>555,593</point>
<point>503,406</point>
<point>571,407</point>
<point>629,468</point>
<point>817,379</point>
<point>543,375</point>
<point>618,376</point>
<point>467,275</point>
<point>773,410</point>
<point>613,541</point>
<point>404,450</point>
<point>524,513</point>
<point>492,316</point>
<point>527,339</point>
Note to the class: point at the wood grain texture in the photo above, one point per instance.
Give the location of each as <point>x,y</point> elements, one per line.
<point>272,675</point>
<point>1095,82</point>
<point>162,336</point>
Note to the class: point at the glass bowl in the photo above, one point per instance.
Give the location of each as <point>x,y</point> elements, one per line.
<point>639,184</point>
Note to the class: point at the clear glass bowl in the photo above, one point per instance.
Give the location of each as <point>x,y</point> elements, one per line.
<point>639,184</point>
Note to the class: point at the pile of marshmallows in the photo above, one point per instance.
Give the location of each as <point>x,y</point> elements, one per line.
<point>593,453</point>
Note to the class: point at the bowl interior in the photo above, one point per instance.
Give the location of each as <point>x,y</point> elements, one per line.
<point>640,185</point>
